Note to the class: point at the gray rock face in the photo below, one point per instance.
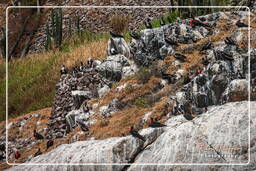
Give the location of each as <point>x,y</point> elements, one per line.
<point>253,73</point>
<point>112,67</point>
<point>113,150</point>
<point>237,90</point>
<point>224,78</point>
<point>217,136</point>
<point>157,43</point>
<point>71,91</point>
<point>118,45</point>
<point>150,47</point>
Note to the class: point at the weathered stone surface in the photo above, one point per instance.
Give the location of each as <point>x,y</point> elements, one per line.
<point>224,128</point>
<point>237,90</point>
<point>113,150</point>
<point>71,91</point>
<point>112,67</point>
<point>118,45</point>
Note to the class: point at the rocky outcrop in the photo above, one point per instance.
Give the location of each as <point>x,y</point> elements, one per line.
<point>117,45</point>
<point>217,83</point>
<point>113,150</point>
<point>217,136</point>
<point>160,42</point>
<point>224,77</point>
<point>72,90</point>
<point>112,67</point>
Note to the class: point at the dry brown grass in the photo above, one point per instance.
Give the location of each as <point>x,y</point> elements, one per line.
<point>130,93</point>
<point>27,132</point>
<point>96,50</point>
<point>119,23</point>
<point>118,125</point>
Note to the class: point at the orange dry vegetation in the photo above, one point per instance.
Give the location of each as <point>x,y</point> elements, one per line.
<point>119,124</point>
<point>131,92</point>
<point>27,132</point>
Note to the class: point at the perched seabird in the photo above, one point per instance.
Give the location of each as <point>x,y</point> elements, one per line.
<point>115,35</point>
<point>180,57</point>
<point>113,50</point>
<point>17,155</point>
<point>170,41</point>
<point>162,22</point>
<point>90,62</point>
<point>241,24</point>
<point>81,67</point>
<point>155,124</point>
<point>82,125</point>
<point>135,134</point>
<point>189,117</point>
<point>2,156</point>
<point>63,70</point>
<point>49,143</point>
<point>38,152</point>
<point>217,54</point>
<point>75,70</point>
<point>38,136</point>
<point>193,22</point>
<point>205,61</point>
<point>226,55</point>
<point>207,45</point>
<point>148,24</point>
<point>229,41</point>
<point>2,147</point>
<point>203,19</point>
<point>134,35</point>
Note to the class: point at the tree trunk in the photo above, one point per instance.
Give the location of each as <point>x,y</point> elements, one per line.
<point>26,46</point>
<point>19,37</point>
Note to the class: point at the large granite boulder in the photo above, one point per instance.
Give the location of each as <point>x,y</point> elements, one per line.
<point>218,136</point>
<point>119,150</point>
<point>237,90</point>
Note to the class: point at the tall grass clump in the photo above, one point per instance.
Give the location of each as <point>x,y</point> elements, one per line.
<point>119,23</point>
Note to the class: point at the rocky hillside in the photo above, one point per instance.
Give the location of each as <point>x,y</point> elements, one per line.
<point>205,140</point>
<point>176,71</point>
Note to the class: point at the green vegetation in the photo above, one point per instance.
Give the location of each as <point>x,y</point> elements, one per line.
<point>2,91</point>
<point>56,30</point>
<point>141,102</point>
<point>143,75</point>
<point>32,80</point>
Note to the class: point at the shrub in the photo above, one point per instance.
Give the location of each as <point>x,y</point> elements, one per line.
<point>103,123</point>
<point>119,23</point>
<point>141,102</point>
<point>144,75</point>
